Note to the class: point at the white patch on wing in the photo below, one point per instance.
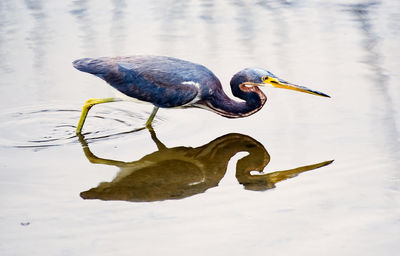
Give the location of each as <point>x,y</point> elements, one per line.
<point>198,96</point>
<point>192,83</point>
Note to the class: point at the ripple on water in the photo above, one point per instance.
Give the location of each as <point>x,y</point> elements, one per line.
<point>34,127</point>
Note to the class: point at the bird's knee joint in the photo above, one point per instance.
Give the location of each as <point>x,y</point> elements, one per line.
<point>90,103</point>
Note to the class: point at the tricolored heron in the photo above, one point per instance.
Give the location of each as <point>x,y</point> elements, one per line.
<point>168,82</point>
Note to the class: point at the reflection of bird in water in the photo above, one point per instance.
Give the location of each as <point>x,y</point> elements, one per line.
<point>170,83</point>
<point>174,173</point>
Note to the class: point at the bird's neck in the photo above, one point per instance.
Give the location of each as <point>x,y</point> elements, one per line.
<point>252,101</point>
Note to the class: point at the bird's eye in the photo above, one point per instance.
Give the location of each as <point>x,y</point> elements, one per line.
<point>264,78</point>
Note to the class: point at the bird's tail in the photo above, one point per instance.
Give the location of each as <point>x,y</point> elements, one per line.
<point>97,67</point>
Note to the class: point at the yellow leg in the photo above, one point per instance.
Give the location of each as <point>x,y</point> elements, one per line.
<point>86,107</point>
<point>151,117</point>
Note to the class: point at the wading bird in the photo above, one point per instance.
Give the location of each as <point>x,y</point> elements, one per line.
<point>168,82</point>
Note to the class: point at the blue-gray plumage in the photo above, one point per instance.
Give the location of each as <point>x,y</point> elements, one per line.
<point>168,82</point>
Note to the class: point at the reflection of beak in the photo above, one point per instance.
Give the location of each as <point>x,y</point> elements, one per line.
<point>276,82</point>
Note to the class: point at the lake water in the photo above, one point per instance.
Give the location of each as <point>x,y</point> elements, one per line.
<point>185,189</point>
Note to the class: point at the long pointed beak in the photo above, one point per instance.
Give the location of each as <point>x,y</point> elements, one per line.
<point>277,83</point>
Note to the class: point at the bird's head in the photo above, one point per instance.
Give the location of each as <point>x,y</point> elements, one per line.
<point>250,78</point>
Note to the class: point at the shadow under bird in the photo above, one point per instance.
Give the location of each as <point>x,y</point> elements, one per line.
<point>168,82</point>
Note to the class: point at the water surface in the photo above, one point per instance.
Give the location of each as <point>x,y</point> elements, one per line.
<point>347,49</point>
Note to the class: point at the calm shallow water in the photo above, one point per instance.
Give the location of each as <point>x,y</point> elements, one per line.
<point>347,49</point>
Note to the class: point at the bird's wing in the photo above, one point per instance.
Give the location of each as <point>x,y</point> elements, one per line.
<point>152,83</point>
